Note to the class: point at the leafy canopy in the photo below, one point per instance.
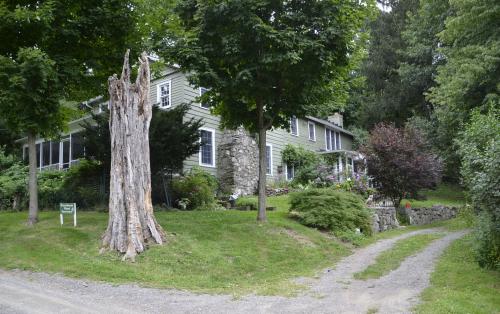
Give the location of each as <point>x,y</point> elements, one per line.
<point>479,149</point>
<point>400,161</point>
<point>470,76</point>
<point>29,92</point>
<point>284,56</point>
<point>57,49</point>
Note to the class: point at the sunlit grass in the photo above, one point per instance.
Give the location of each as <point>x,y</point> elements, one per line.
<point>459,285</point>
<point>444,194</point>
<point>393,257</point>
<point>215,252</point>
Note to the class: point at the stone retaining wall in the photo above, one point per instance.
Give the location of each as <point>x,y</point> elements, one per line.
<point>384,218</point>
<point>427,215</point>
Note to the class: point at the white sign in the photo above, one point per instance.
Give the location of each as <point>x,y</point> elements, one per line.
<point>67,208</point>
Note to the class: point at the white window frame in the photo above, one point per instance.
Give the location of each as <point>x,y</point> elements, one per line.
<point>270,159</point>
<point>296,126</point>
<point>339,144</point>
<point>158,94</point>
<point>286,173</point>
<point>328,142</point>
<point>309,123</point>
<point>212,165</point>
<point>199,92</point>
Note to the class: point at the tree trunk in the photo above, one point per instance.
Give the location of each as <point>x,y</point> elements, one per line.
<point>16,200</point>
<point>261,215</point>
<point>32,182</point>
<point>132,224</point>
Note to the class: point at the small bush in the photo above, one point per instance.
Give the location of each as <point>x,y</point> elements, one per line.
<point>487,244</point>
<point>13,182</point>
<point>85,184</point>
<point>337,211</point>
<point>50,185</point>
<point>197,189</point>
<point>247,201</point>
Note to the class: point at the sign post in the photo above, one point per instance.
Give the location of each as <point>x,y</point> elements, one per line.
<point>67,208</point>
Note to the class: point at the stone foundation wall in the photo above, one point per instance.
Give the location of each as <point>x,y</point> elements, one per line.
<point>384,218</point>
<point>427,215</point>
<point>237,162</point>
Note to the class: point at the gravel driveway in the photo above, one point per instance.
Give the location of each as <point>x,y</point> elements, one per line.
<point>335,291</point>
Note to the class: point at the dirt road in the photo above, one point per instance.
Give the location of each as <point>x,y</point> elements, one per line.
<point>334,292</point>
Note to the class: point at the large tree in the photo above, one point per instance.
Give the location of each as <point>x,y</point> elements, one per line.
<point>383,97</point>
<point>470,78</point>
<point>265,61</point>
<point>52,50</point>
<point>400,161</point>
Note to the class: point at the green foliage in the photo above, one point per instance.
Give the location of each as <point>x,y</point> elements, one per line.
<point>420,57</point>
<point>50,185</point>
<point>81,184</point>
<point>197,186</point>
<point>469,78</point>
<point>85,185</point>
<point>13,180</point>
<point>298,156</point>
<point>480,150</point>
<point>360,137</point>
<point>30,93</point>
<point>258,53</point>
<point>247,201</point>
<point>173,138</point>
<point>85,39</point>
<point>304,162</point>
<point>332,210</point>
<point>383,97</point>
<point>443,194</point>
<point>487,241</point>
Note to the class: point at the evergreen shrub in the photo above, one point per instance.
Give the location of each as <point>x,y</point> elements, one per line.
<point>333,210</point>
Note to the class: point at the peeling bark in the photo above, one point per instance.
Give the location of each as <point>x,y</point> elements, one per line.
<point>132,224</point>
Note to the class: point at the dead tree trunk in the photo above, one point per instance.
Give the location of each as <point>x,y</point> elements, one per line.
<point>132,224</point>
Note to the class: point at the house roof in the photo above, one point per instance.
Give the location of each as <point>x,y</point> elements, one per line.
<point>330,125</point>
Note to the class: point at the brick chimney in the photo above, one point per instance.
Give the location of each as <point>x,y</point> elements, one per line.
<point>336,119</point>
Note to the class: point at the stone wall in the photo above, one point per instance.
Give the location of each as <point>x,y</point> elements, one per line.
<point>384,218</point>
<point>427,215</point>
<point>237,162</point>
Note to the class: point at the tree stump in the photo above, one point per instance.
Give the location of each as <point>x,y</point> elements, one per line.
<point>132,224</point>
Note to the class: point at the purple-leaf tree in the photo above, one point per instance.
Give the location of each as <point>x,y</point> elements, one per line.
<point>400,161</point>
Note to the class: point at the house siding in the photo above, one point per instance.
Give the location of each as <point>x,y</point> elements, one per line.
<point>183,92</point>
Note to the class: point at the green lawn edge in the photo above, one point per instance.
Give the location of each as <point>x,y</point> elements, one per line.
<point>392,258</point>
<point>459,285</point>
<point>207,251</point>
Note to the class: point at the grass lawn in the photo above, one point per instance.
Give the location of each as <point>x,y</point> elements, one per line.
<point>393,257</point>
<point>444,194</point>
<point>215,252</point>
<point>459,285</point>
